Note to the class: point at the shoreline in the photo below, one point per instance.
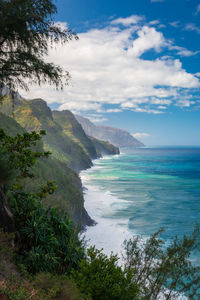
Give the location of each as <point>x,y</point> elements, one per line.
<point>107,234</point>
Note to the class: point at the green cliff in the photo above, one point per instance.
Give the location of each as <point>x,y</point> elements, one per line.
<point>73,130</point>
<point>36,115</point>
<point>104,148</point>
<point>68,196</point>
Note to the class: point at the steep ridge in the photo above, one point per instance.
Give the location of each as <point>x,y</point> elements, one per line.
<point>74,130</point>
<point>104,148</point>
<point>65,137</point>
<point>68,196</point>
<point>117,137</point>
<point>36,115</point>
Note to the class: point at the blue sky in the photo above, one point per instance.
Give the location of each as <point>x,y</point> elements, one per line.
<point>136,66</point>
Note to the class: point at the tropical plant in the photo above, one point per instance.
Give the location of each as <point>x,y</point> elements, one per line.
<point>164,270</point>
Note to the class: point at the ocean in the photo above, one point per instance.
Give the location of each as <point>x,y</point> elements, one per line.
<point>140,191</point>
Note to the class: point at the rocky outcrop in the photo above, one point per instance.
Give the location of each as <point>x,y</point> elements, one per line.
<point>117,137</point>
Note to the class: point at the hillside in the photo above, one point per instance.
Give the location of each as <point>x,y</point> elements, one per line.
<point>36,115</point>
<point>74,130</point>
<point>117,137</point>
<point>104,148</point>
<point>65,137</point>
<point>68,196</point>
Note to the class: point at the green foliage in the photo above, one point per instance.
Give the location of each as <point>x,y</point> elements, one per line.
<point>68,195</point>
<point>101,278</point>
<point>48,239</point>
<point>26,28</point>
<point>167,270</point>
<point>20,156</point>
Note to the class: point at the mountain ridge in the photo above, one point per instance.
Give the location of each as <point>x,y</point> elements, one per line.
<point>116,136</point>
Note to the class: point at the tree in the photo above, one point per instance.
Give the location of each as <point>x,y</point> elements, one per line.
<point>164,270</point>
<point>101,278</point>
<point>27,30</point>
<point>16,159</point>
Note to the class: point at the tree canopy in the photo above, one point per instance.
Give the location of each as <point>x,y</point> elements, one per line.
<point>27,29</point>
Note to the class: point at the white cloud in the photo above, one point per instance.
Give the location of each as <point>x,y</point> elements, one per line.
<point>183,51</point>
<point>134,19</point>
<point>148,38</point>
<point>139,135</point>
<point>192,27</point>
<point>107,67</point>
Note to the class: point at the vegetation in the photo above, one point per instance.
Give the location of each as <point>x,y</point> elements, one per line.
<point>161,269</point>
<point>47,260</point>
<point>68,196</point>
<point>27,30</point>
<point>48,248</point>
<point>101,278</point>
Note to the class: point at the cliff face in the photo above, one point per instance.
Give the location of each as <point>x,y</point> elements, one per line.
<point>68,196</point>
<point>36,115</point>
<point>74,130</point>
<point>115,136</point>
<point>65,137</point>
<point>104,148</point>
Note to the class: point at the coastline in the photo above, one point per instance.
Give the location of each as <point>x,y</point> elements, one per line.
<point>106,233</point>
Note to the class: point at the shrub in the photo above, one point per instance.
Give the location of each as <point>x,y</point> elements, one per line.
<point>48,240</point>
<point>101,278</point>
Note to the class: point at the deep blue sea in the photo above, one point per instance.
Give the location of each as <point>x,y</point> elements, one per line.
<point>141,190</point>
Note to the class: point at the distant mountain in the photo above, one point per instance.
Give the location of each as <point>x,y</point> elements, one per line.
<point>117,137</point>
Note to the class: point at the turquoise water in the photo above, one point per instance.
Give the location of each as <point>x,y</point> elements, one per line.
<point>142,190</point>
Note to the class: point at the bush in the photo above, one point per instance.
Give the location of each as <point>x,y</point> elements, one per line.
<point>48,240</point>
<point>101,278</point>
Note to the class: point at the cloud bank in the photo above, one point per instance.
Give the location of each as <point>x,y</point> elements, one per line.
<point>110,72</point>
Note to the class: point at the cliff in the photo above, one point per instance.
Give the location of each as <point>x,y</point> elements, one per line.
<point>68,196</point>
<point>117,137</point>
<point>36,115</point>
<point>104,148</point>
<point>65,137</point>
<point>72,150</point>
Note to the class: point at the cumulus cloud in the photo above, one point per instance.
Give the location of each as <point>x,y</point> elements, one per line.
<point>148,38</point>
<point>107,67</point>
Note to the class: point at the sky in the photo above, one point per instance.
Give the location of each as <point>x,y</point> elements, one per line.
<point>136,66</point>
